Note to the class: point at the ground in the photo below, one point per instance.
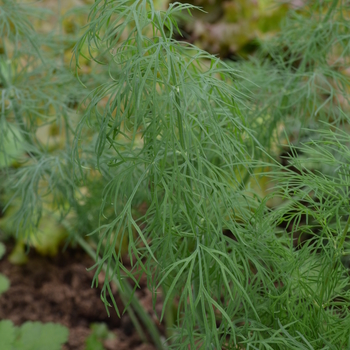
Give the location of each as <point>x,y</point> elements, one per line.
<point>58,289</point>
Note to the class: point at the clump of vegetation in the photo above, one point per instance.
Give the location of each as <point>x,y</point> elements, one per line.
<point>32,336</point>
<point>225,183</point>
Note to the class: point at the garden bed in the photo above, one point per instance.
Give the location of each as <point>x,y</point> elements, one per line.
<point>58,290</point>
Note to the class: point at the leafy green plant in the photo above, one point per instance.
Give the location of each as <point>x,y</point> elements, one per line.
<point>32,336</point>
<point>99,334</point>
<point>241,170</point>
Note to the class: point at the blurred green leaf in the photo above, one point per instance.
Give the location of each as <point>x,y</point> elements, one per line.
<point>93,343</point>
<point>38,336</point>
<point>2,250</point>
<point>100,332</point>
<point>7,334</point>
<point>48,237</point>
<point>4,284</point>
<point>32,336</point>
<point>18,255</point>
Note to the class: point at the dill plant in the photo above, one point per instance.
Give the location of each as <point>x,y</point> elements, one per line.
<point>170,131</point>
<point>32,81</point>
<point>38,117</point>
<point>300,74</point>
<point>301,95</point>
<point>174,127</point>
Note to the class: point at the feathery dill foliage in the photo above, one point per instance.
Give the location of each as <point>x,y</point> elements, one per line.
<point>35,86</point>
<point>169,130</point>
<point>304,87</point>
<point>298,77</point>
<point>315,189</point>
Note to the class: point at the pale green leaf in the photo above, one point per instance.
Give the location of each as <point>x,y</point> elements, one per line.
<point>7,334</point>
<point>4,283</point>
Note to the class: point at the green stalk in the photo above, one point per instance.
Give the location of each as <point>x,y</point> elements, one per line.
<point>125,292</point>
<point>145,318</point>
<point>133,318</point>
<point>169,317</point>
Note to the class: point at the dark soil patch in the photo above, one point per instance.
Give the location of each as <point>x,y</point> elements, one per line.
<point>59,290</point>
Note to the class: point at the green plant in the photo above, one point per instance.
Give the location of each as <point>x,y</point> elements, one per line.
<point>243,170</point>
<point>167,115</point>
<point>99,334</point>
<point>194,159</point>
<point>39,97</point>
<point>32,336</point>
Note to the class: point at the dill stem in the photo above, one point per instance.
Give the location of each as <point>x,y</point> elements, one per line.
<point>169,317</point>
<point>125,291</point>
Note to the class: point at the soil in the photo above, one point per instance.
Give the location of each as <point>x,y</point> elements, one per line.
<point>58,289</point>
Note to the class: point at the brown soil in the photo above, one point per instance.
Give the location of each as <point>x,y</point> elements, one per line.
<point>59,290</point>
